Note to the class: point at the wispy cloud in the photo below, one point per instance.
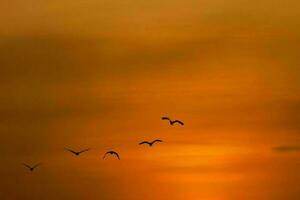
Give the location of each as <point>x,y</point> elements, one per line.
<point>286,148</point>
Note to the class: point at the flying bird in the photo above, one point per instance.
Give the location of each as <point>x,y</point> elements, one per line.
<point>112,153</point>
<point>77,153</point>
<point>31,168</point>
<point>172,122</point>
<point>150,143</point>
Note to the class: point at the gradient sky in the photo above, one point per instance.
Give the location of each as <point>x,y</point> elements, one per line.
<point>101,73</point>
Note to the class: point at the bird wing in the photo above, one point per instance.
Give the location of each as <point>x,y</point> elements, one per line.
<point>105,154</point>
<point>165,118</point>
<point>177,121</point>
<point>116,154</point>
<point>144,142</point>
<point>36,165</point>
<point>71,151</point>
<point>84,150</point>
<point>157,141</point>
<point>29,167</point>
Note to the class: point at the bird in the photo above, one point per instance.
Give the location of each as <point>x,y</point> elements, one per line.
<point>77,153</point>
<point>31,168</point>
<point>172,122</point>
<point>150,143</point>
<point>112,153</point>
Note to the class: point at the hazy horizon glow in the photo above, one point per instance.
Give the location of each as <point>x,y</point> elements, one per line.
<point>100,74</point>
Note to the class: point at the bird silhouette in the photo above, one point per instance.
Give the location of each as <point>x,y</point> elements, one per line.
<point>31,168</point>
<point>77,153</point>
<point>150,143</point>
<point>111,153</point>
<point>172,122</point>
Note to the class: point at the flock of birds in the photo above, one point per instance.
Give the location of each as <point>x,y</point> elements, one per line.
<point>112,153</point>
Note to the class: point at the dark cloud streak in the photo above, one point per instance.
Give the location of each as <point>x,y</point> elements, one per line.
<point>286,148</point>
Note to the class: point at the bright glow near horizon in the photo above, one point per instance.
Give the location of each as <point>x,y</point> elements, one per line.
<point>101,74</point>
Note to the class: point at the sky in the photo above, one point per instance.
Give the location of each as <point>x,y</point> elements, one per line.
<point>100,74</point>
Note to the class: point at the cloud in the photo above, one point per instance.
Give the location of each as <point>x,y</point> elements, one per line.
<point>286,148</point>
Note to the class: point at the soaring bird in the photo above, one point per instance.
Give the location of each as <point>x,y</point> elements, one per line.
<point>77,153</point>
<point>31,168</point>
<point>150,143</point>
<point>172,122</point>
<point>112,153</point>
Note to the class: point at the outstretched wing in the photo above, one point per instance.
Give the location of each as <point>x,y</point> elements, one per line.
<point>144,142</point>
<point>70,150</point>
<point>157,141</point>
<point>105,154</point>
<point>179,122</point>
<point>35,166</point>
<point>29,167</point>
<point>165,118</point>
<point>84,150</point>
<point>115,153</point>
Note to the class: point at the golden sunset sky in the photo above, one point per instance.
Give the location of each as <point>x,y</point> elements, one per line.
<point>101,74</point>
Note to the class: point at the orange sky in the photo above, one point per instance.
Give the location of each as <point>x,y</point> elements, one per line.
<point>100,74</point>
